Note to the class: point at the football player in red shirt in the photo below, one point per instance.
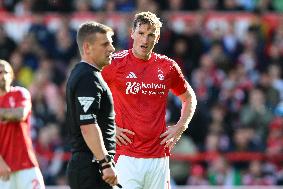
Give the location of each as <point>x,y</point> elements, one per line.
<point>18,165</point>
<point>140,81</point>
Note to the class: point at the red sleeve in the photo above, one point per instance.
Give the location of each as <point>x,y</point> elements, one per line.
<point>178,82</point>
<point>23,98</point>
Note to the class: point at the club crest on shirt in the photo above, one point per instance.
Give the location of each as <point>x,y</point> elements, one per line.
<point>160,74</point>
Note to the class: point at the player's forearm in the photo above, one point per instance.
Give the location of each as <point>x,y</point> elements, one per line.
<point>189,103</point>
<point>2,161</point>
<point>13,114</point>
<point>4,167</point>
<point>94,140</point>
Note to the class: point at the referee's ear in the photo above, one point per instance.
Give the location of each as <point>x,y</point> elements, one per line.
<point>86,48</point>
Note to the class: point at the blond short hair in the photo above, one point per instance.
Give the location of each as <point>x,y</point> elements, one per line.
<point>6,64</point>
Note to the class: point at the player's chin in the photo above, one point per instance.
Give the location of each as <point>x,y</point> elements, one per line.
<point>107,60</point>
<point>106,63</point>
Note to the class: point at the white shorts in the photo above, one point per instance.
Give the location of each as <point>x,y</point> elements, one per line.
<point>24,179</point>
<point>143,173</point>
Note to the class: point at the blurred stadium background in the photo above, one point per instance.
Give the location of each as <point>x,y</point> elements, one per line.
<point>231,51</point>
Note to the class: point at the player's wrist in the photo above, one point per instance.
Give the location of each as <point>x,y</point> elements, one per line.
<point>105,163</point>
<point>107,159</point>
<point>182,125</point>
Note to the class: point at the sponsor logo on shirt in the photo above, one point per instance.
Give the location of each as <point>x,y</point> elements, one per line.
<point>87,116</point>
<point>131,75</point>
<point>145,88</point>
<point>85,102</point>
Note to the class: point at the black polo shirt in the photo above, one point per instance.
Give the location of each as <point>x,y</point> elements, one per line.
<point>89,101</point>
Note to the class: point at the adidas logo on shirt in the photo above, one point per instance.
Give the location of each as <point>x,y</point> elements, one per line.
<point>131,75</point>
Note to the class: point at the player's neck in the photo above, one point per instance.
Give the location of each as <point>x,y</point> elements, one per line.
<point>91,63</point>
<point>145,58</point>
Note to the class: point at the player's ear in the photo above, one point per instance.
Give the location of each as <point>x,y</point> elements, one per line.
<point>86,47</point>
<point>132,34</point>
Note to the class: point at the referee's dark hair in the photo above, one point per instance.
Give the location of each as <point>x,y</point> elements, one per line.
<point>87,31</point>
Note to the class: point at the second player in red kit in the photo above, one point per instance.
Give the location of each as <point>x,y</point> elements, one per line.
<point>18,165</point>
<point>140,81</point>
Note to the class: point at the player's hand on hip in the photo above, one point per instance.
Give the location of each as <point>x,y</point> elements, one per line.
<point>172,135</point>
<point>5,170</point>
<point>109,175</point>
<point>121,136</point>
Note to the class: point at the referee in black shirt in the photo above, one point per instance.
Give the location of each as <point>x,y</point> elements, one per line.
<point>90,112</point>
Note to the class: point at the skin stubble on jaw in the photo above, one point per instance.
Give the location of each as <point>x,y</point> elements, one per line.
<point>103,49</point>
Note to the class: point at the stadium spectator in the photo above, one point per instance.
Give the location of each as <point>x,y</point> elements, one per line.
<point>179,169</point>
<point>7,44</point>
<point>222,173</point>
<point>255,114</point>
<point>275,74</point>
<point>255,175</point>
<point>197,176</point>
<point>49,143</point>
<point>271,94</point>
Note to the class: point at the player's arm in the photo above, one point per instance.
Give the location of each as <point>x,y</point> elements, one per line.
<point>173,133</point>
<point>14,114</point>
<point>88,99</point>
<point>189,103</point>
<point>21,109</point>
<point>5,170</point>
<point>94,140</point>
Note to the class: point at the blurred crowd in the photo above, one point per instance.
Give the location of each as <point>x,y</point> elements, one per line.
<point>20,7</point>
<point>237,79</point>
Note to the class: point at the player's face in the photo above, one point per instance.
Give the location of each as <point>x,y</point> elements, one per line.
<point>100,49</point>
<point>144,36</point>
<point>5,77</point>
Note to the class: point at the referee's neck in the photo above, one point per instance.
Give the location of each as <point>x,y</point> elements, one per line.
<point>93,65</point>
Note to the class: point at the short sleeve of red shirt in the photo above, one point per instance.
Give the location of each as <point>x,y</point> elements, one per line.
<point>23,98</point>
<point>178,82</point>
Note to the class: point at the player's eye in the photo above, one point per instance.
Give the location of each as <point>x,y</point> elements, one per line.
<point>3,72</point>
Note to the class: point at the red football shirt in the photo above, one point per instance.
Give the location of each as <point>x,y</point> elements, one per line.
<point>15,142</point>
<point>140,89</point>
